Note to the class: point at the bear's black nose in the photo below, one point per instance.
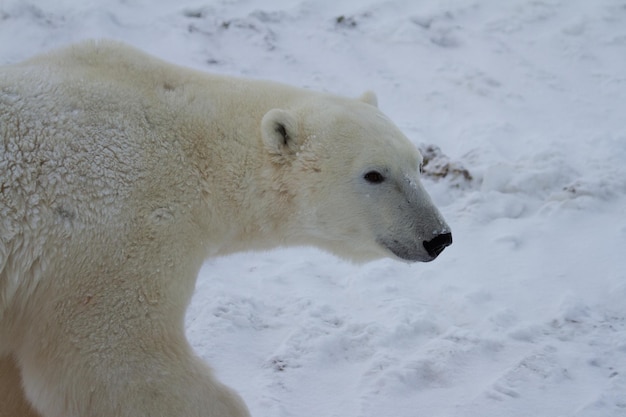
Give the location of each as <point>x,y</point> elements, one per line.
<point>436,245</point>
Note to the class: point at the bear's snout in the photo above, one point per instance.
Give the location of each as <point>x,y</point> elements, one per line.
<point>436,245</point>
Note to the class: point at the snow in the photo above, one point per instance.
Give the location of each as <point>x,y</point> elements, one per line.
<point>525,314</point>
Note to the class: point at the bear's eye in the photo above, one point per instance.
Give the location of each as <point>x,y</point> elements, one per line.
<point>374,177</point>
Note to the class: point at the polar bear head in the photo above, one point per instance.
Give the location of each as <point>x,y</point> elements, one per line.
<point>355,180</point>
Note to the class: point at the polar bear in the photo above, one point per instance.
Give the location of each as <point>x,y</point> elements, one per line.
<point>120,174</point>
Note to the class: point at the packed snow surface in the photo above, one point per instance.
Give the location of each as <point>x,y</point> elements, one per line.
<point>523,106</point>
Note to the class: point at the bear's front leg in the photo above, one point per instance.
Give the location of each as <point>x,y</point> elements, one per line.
<point>159,380</point>
<point>116,347</point>
<point>13,402</point>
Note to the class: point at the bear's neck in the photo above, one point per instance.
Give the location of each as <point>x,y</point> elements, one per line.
<point>246,203</point>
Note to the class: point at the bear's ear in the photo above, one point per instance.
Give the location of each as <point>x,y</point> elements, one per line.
<point>370,98</point>
<point>279,129</point>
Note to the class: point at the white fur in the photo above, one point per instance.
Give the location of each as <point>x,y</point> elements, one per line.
<point>120,174</point>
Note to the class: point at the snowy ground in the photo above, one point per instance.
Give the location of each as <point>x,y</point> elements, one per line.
<point>525,315</point>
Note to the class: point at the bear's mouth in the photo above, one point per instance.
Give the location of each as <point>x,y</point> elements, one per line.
<point>405,252</point>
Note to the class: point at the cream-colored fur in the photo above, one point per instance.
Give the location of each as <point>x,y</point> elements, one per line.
<point>120,174</point>
<point>12,400</point>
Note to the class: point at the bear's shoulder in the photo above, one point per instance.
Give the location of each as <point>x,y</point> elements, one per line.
<point>108,63</point>
<point>96,53</point>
